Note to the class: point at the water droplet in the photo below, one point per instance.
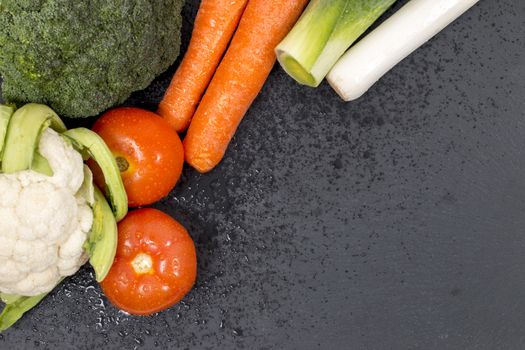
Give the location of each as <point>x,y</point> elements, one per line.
<point>100,322</point>
<point>237,332</point>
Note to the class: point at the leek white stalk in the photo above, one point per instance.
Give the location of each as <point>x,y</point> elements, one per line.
<point>405,31</point>
<point>324,32</point>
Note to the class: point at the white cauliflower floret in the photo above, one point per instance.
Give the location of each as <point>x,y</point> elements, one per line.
<point>67,164</point>
<point>44,222</point>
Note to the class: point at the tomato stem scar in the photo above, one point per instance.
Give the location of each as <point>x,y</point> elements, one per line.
<point>122,163</point>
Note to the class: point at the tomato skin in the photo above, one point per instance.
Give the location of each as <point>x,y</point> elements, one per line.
<point>152,150</point>
<point>174,263</point>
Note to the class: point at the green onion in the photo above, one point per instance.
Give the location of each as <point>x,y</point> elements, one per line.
<point>324,32</point>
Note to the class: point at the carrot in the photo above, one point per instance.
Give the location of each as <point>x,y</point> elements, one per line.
<point>238,79</point>
<point>213,29</point>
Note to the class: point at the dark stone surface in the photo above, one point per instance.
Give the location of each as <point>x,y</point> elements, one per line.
<point>393,222</point>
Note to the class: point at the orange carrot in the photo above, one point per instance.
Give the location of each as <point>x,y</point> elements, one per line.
<point>238,79</point>
<point>213,29</point>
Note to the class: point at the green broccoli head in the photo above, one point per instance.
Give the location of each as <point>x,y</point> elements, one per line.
<point>82,57</point>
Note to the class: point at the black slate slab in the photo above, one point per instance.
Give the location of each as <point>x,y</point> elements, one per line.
<point>393,222</point>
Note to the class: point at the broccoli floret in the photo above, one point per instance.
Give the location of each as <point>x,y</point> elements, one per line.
<point>82,57</point>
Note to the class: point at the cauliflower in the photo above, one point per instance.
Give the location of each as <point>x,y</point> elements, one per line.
<point>44,221</point>
<point>53,219</point>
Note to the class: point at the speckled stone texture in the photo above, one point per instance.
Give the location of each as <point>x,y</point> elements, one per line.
<point>393,222</point>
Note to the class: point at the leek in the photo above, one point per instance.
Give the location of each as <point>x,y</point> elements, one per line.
<point>324,32</point>
<point>396,38</point>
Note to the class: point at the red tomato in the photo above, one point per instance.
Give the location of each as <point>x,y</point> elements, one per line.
<point>155,265</point>
<point>148,151</point>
